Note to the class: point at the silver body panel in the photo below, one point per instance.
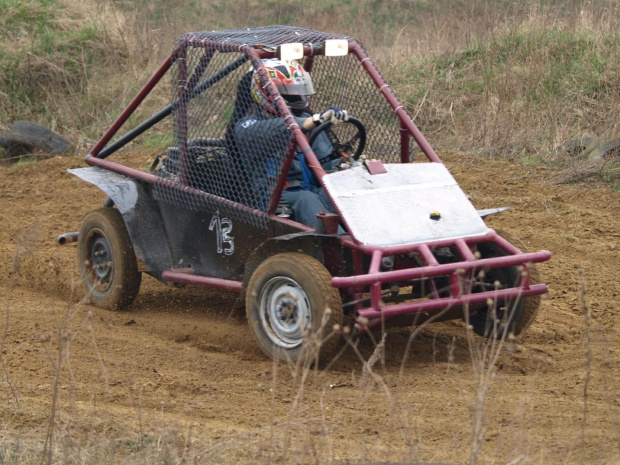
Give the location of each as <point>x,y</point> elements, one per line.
<point>120,188</point>
<point>395,208</point>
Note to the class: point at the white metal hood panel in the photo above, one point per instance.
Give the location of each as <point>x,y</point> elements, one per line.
<point>395,208</point>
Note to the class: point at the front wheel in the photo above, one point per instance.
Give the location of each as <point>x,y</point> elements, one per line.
<point>505,315</point>
<point>291,306</point>
<point>107,260</point>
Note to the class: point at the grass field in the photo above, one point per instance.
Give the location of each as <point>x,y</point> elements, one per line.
<point>504,78</point>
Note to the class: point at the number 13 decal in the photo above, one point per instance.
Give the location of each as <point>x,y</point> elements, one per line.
<point>222,226</point>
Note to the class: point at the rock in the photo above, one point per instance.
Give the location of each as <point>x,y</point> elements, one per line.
<point>25,137</point>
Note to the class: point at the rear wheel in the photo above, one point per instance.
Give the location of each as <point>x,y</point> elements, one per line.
<point>107,260</point>
<point>505,315</point>
<point>291,307</point>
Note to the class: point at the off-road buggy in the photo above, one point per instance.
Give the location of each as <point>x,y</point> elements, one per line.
<point>209,210</point>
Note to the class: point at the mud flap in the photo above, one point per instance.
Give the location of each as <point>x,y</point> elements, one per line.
<point>140,211</point>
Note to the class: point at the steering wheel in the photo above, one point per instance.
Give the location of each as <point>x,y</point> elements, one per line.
<point>348,136</point>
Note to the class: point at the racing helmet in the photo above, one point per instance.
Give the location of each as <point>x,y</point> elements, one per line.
<point>292,80</point>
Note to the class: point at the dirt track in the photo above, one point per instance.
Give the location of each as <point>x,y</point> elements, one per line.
<point>179,370</point>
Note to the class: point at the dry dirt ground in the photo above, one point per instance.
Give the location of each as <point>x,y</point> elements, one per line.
<point>177,378</point>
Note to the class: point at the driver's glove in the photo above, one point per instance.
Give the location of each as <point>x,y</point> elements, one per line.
<point>333,114</point>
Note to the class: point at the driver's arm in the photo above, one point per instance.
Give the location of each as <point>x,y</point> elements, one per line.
<point>308,123</point>
<point>333,114</point>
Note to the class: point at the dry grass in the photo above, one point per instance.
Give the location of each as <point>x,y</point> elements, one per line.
<point>502,77</point>
<point>525,91</point>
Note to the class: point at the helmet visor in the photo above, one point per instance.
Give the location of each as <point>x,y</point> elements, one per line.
<point>296,102</point>
<point>301,85</point>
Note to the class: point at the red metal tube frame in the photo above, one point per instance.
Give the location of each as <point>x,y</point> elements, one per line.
<point>424,247</point>
<point>301,140</point>
<point>440,270</point>
<point>182,277</point>
<point>137,100</point>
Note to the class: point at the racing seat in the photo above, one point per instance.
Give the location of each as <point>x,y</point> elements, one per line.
<point>244,105</point>
<point>238,172</point>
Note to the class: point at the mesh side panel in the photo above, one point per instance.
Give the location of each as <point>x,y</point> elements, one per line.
<point>226,151</point>
<point>343,82</point>
<point>211,94</point>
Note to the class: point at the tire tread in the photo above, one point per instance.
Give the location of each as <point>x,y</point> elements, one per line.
<point>127,277</point>
<point>322,278</point>
<point>531,304</point>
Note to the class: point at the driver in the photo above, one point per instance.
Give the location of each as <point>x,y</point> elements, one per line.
<point>302,192</point>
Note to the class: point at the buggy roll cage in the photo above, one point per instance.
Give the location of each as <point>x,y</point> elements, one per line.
<point>373,280</point>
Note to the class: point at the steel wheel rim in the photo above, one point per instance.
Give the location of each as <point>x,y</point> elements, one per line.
<point>101,265</point>
<point>285,311</point>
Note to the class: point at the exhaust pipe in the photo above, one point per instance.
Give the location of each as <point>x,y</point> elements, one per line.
<point>67,238</point>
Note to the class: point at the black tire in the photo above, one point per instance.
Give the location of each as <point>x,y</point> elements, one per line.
<point>511,315</point>
<point>107,260</point>
<point>24,137</point>
<point>579,148</point>
<point>611,149</point>
<point>300,285</point>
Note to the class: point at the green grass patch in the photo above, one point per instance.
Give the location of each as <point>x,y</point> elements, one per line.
<point>48,63</point>
<point>530,161</point>
<point>20,18</point>
<point>529,86</point>
<point>42,59</point>
<point>23,163</point>
<point>158,140</point>
<point>549,62</point>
